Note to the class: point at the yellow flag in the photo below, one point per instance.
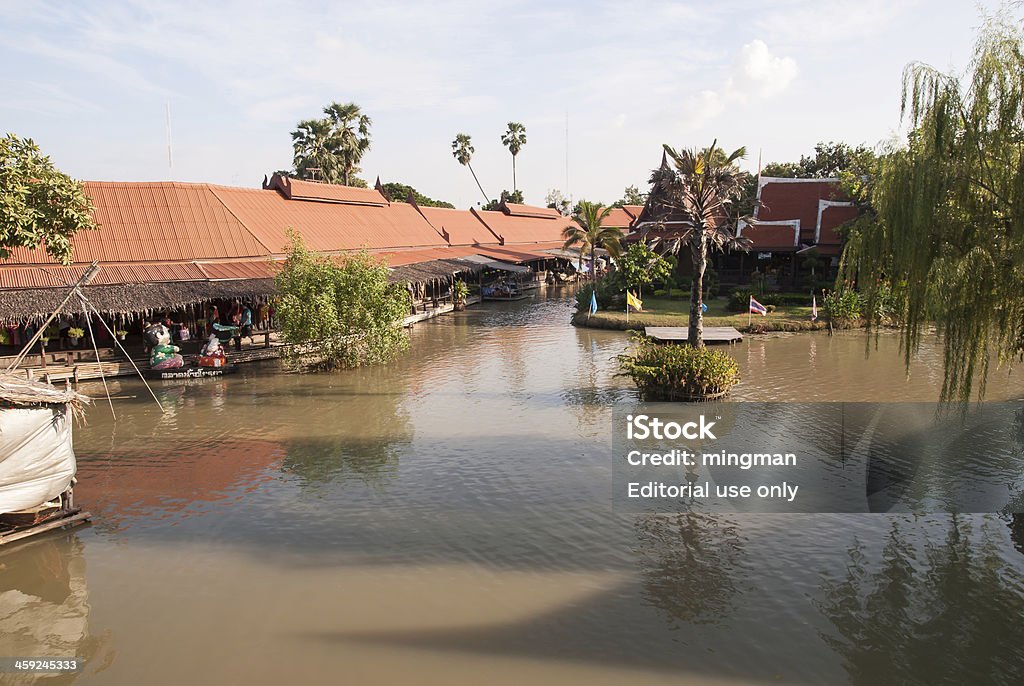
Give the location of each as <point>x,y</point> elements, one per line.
<point>634,302</point>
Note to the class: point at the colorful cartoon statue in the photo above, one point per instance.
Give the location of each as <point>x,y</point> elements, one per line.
<point>212,354</point>
<point>162,355</point>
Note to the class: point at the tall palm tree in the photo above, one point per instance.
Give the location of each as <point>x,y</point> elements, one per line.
<point>462,150</point>
<point>352,133</point>
<point>314,143</point>
<point>697,191</point>
<point>589,234</point>
<point>514,139</point>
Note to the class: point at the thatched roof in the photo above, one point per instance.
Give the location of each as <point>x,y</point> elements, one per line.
<point>428,271</point>
<point>18,390</point>
<point>17,304</point>
<point>38,303</point>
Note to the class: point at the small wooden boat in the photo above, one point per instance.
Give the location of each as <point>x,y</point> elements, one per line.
<point>189,372</point>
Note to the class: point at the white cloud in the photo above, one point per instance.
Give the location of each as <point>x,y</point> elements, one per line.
<point>756,74</point>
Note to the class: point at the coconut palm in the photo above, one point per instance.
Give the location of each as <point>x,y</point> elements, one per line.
<point>589,234</point>
<point>514,139</point>
<point>697,191</point>
<point>314,143</point>
<point>462,150</point>
<point>352,135</point>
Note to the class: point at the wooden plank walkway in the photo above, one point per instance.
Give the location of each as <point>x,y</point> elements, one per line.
<point>679,334</point>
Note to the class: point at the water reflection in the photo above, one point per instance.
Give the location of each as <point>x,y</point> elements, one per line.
<point>690,565</point>
<point>943,611</point>
<point>44,608</point>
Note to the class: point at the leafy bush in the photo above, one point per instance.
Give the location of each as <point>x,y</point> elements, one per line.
<point>660,292</point>
<point>339,313</point>
<point>679,372</point>
<point>842,305</point>
<point>460,291</point>
<point>610,295</point>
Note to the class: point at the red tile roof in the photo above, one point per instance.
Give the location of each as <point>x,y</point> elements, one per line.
<point>296,189</point>
<point>634,210</point>
<point>462,226</point>
<point>618,218</point>
<point>782,236</point>
<point>523,229</point>
<point>831,216</point>
<point>786,199</point>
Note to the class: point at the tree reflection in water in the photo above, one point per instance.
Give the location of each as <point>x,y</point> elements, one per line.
<point>943,612</point>
<point>351,441</point>
<point>689,563</point>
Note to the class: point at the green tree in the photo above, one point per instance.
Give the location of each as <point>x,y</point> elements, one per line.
<point>314,145</point>
<point>950,211</point>
<point>39,204</point>
<point>700,188</point>
<point>352,132</point>
<point>330,149</point>
<point>462,150</point>
<point>641,266</point>
<point>399,192</point>
<point>339,312</point>
<point>589,234</point>
<point>631,196</point>
<point>515,197</point>
<point>514,139</point>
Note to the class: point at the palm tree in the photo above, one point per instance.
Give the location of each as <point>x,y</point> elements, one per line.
<point>514,139</point>
<point>352,133</point>
<point>697,191</point>
<point>590,235</point>
<point>462,150</point>
<point>314,144</point>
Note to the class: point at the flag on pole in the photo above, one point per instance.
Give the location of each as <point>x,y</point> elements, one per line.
<point>593,302</point>
<point>634,302</point>
<point>758,308</point>
<point>814,308</point>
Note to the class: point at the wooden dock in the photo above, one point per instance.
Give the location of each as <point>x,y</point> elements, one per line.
<point>679,334</point>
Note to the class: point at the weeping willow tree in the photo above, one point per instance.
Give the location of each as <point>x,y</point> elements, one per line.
<point>947,227</point>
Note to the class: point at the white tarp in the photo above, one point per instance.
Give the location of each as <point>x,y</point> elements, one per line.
<point>37,461</point>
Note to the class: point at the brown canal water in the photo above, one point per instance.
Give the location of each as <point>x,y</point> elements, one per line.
<point>447,519</point>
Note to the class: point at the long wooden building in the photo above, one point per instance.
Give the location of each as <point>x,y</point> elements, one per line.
<point>168,245</point>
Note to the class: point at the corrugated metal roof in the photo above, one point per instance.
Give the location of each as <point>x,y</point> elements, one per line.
<point>520,229</point>
<point>251,269</point>
<point>295,189</point>
<point>150,222</point>
<point>515,210</point>
<point>462,226</point>
<point>52,277</point>
<point>327,227</point>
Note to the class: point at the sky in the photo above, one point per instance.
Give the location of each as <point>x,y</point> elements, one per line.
<point>600,86</point>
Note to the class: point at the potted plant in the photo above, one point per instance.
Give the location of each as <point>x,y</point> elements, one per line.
<point>459,293</point>
<point>74,334</point>
<point>121,333</point>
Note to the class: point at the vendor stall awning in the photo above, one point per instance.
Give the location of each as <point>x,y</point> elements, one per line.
<point>494,264</point>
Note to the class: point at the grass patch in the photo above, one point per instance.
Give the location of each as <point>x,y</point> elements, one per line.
<point>662,311</point>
